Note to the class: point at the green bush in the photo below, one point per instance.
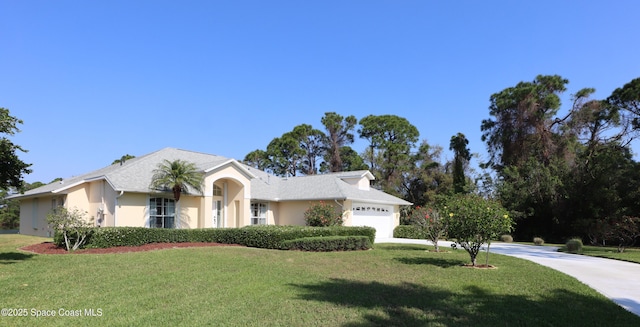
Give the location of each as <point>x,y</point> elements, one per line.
<point>538,241</point>
<point>410,231</point>
<point>322,215</point>
<point>574,245</point>
<point>331,243</point>
<point>270,237</point>
<point>506,238</point>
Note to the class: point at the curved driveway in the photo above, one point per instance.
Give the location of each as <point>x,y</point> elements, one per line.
<point>617,280</point>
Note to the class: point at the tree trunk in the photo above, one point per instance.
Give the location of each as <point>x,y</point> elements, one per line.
<point>487,260</point>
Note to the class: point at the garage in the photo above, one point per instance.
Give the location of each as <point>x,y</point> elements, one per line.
<point>377,216</point>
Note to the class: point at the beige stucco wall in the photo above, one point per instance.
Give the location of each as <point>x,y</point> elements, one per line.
<point>131,209</point>
<point>33,216</point>
<point>78,198</point>
<point>188,211</point>
<point>101,207</point>
<point>292,212</point>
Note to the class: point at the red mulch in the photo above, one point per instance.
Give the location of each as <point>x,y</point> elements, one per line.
<point>50,248</point>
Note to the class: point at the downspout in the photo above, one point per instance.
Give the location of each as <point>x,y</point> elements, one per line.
<point>341,206</point>
<point>115,210</point>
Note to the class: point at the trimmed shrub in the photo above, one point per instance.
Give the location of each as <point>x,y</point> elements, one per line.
<point>574,245</point>
<point>270,237</point>
<point>330,243</point>
<point>538,241</point>
<point>506,238</point>
<point>410,231</point>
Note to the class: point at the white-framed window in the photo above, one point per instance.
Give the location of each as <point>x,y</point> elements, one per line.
<point>258,213</point>
<point>162,213</point>
<point>57,202</point>
<point>217,190</point>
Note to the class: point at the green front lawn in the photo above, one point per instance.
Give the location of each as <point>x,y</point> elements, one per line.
<point>391,285</point>
<point>629,254</point>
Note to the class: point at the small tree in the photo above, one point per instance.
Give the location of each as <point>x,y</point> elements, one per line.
<point>72,224</point>
<point>625,230</point>
<point>322,215</point>
<point>178,176</point>
<point>431,222</point>
<point>474,220</point>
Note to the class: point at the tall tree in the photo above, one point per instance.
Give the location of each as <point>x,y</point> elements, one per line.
<point>461,159</point>
<point>530,153</point>
<point>392,137</point>
<point>523,124</point>
<point>123,159</point>
<point>311,143</point>
<point>339,134</point>
<point>178,176</point>
<point>285,155</point>
<point>427,177</point>
<point>12,168</point>
<point>627,99</point>
<point>258,159</point>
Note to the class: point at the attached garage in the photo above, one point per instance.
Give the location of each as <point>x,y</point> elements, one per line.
<point>377,216</point>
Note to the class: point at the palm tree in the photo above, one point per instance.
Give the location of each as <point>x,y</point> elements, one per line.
<point>177,175</point>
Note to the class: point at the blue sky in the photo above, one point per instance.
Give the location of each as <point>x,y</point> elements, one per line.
<point>94,80</point>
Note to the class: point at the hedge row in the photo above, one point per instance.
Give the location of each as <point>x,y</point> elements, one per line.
<point>330,243</point>
<point>410,231</point>
<point>270,237</point>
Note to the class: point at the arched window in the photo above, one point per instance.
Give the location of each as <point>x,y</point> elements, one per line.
<point>162,213</point>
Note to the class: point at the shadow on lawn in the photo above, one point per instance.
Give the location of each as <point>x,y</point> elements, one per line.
<point>405,247</point>
<point>444,263</point>
<point>13,257</point>
<point>410,304</point>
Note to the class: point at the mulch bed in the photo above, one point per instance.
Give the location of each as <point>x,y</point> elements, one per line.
<point>50,248</point>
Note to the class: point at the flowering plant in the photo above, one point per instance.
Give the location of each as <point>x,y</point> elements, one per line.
<point>322,215</point>
<point>475,221</point>
<point>431,222</point>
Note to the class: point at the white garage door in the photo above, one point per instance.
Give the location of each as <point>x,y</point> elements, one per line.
<point>377,216</point>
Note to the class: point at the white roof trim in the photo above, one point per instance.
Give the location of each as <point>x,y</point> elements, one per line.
<point>66,187</point>
<point>88,180</point>
<point>234,163</point>
<point>367,174</point>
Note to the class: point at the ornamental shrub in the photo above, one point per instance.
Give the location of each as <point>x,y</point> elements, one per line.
<point>433,224</point>
<point>474,221</point>
<point>506,238</point>
<point>574,245</point>
<point>322,215</point>
<point>72,228</point>
<point>330,243</point>
<point>410,231</point>
<point>538,241</point>
<point>270,237</point>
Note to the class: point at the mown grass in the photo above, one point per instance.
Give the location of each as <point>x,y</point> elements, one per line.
<point>391,285</point>
<point>629,254</point>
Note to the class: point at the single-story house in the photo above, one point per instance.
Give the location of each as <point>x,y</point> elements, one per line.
<point>234,195</point>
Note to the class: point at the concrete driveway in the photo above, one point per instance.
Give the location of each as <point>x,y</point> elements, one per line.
<point>617,280</point>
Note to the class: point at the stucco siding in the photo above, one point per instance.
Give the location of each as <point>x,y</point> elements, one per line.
<point>292,212</point>
<point>132,210</point>
<point>78,198</point>
<point>188,207</point>
<point>33,216</point>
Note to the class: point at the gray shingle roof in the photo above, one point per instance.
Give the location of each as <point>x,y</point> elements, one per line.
<point>135,176</point>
